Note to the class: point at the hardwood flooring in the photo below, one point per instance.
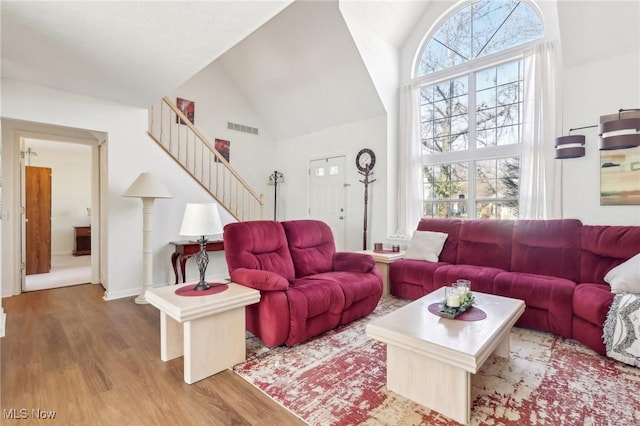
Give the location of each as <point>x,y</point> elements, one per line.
<point>93,362</point>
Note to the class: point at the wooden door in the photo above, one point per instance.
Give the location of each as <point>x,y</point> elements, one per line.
<point>38,219</point>
<point>327,195</point>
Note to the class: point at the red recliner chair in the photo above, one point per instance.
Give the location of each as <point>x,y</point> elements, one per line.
<point>306,287</point>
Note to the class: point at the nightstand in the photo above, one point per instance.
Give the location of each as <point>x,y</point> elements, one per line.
<point>383,260</point>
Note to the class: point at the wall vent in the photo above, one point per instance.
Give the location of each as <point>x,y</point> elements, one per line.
<point>242,128</point>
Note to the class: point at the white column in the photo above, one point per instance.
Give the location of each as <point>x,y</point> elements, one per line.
<point>147,248</point>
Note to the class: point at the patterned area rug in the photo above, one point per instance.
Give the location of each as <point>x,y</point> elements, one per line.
<point>339,378</point>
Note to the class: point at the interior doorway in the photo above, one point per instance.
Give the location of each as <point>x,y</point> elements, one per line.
<point>58,196</point>
<point>327,195</point>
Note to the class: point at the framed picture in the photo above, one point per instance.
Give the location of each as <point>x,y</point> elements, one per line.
<point>223,146</point>
<point>187,108</point>
<point>620,177</point>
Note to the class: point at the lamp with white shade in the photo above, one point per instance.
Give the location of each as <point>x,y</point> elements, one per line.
<point>147,187</point>
<point>201,220</point>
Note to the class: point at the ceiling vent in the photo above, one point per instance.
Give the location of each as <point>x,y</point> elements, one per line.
<point>242,128</point>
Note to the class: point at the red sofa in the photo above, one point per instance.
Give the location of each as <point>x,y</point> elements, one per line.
<point>556,266</point>
<point>306,287</point>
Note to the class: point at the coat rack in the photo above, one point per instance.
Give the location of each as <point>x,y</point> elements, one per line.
<point>366,181</point>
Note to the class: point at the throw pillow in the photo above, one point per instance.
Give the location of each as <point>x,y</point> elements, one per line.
<point>426,245</point>
<point>625,278</point>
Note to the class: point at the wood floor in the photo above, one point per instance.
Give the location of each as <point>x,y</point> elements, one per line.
<point>98,363</point>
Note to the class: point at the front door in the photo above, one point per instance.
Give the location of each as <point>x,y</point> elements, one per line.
<point>327,195</point>
<point>38,219</point>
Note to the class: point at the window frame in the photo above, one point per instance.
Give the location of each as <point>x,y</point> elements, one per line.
<point>473,154</point>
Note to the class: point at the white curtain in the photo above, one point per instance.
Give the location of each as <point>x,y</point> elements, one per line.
<point>540,183</point>
<point>409,191</point>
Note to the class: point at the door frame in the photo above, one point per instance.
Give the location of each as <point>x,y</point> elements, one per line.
<point>14,134</point>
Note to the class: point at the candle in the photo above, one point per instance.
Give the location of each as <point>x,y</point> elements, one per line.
<point>453,300</point>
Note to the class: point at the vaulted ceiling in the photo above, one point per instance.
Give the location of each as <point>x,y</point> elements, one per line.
<point>296,64</point>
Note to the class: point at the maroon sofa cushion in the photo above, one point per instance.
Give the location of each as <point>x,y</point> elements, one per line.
<point>485,243</point>
<point>311,245</point>
<point>451,227</point>
<point>260,244</point>
<point>547,247</point>
<point>605,247</point>
<point>553,296</point>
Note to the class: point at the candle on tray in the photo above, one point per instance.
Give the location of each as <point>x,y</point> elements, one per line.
<point>453,300</point>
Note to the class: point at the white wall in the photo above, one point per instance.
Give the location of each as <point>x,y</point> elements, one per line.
<point>130,152</point>
<point>218,101</point>
<point>70,189</point>
<point>591,90</point>
<point>346,140</point>
<point>382,62</point>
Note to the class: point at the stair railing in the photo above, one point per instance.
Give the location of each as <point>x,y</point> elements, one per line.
<point>173,131</point>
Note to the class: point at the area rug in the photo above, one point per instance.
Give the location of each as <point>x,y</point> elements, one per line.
<point>339,378</point>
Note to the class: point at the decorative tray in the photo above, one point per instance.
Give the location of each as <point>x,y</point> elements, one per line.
<point>450,312</point>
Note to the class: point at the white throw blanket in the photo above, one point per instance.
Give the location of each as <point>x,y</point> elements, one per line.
<point>622,329</point>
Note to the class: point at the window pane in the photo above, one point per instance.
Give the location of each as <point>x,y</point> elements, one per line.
<point>508,135</point>
<point>486,119</point>
<point>485,79</point>
<point>508,93</point>
<point>486,98</point>
<point>485,138</point>
<point>479,29</point>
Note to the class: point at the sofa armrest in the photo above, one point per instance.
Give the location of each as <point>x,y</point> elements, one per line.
<point>260,280</point>
<point>353,262</point>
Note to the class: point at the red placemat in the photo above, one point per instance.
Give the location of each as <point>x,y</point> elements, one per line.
<point>471,314</point>
<point>189,291</point>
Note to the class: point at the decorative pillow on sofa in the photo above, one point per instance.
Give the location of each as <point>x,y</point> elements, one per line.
<point>625,278</point>
<point>426,245</point>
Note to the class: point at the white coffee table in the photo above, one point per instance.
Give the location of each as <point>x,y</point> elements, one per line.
<point>208,330</point>
<point>430,359</point>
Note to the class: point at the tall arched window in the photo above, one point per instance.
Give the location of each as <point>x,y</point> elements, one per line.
<point>470,71</point>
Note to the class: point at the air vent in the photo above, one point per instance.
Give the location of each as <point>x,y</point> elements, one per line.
<point>242,128</point>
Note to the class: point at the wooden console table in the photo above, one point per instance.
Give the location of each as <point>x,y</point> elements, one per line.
<point>82,236</point>
<point>185,249</point>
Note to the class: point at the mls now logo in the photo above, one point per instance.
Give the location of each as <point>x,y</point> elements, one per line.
<point>23,413</point>
<point>15,414</point>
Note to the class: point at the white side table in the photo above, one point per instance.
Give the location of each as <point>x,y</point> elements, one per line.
<point>208,330</point>
<point>383,260</point>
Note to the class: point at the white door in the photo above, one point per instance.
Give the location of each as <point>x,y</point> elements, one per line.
<point>327,195</point>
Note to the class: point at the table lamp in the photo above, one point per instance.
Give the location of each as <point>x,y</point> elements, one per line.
<point>201,220</point>
<point>147,187</point>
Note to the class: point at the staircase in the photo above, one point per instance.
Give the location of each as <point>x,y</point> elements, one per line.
<point>173,131</point>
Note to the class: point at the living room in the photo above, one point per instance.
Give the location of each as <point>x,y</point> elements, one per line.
<point>330,90</point>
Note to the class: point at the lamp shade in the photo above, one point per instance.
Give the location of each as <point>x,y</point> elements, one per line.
<point>201,220</point>
<point>147,186</point>
<point>572,146</point>
<point>619,134</point>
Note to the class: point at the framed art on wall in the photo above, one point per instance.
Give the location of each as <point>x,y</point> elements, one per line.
<point>223,147</point>
<point>187,108</point>
<point>620,177</point>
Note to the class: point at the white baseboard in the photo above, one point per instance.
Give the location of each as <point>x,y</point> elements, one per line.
<point>3,321</point>
<point>113,295</point>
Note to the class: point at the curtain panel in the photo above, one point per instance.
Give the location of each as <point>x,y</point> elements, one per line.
<point>540,180</point>
<point>409,197</point>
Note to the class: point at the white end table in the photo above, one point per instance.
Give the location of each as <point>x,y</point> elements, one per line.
<point>208,330</point>
<point>383,260</point>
